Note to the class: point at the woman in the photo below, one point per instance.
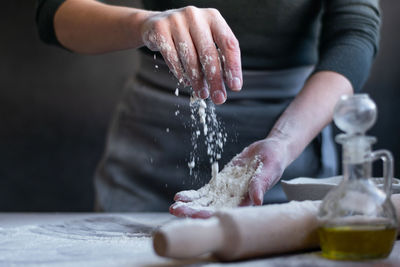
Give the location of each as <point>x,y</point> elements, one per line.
<point>298,58</point>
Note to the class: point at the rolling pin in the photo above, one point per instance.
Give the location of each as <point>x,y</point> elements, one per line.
<point>245,232</point>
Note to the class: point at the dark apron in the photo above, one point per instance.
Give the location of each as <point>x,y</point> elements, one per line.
<point>148,146</point>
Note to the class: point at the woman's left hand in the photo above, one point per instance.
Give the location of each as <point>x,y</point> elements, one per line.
<point>272,159</point>
<point>272,154</point>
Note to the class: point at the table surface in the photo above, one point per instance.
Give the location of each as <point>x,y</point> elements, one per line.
<point>117,239</point>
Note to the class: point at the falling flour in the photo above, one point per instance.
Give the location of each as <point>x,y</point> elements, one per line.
<point>226,189</point>
<point>204,121</point>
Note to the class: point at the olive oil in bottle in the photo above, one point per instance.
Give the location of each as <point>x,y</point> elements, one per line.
<point>358,219</point>
<point>356,242</point>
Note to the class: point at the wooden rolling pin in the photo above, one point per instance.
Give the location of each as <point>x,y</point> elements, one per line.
<point>245,232</point>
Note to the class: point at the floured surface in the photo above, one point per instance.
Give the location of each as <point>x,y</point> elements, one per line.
<point>96,240</point>
<point>115,240</point>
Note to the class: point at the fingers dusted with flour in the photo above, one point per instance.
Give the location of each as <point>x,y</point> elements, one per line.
<point>187,196</point>
<point>158,38</point>
<point>229,50</point>
<point>207,52</point>
<point>189,39</point>
<point>270,160</point>
<point>262,182</point>
<point>197,44</point>
<point>188,57</point>
<point>226,189</point>
<point>185,211</point>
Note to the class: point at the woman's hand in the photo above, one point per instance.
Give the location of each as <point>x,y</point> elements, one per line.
<point>270,158</point>
<point>198,47</point>
<point>273,156</point>
<point>187,38</point>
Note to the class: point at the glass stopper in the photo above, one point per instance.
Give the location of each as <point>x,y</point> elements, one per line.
<point>355,114</point>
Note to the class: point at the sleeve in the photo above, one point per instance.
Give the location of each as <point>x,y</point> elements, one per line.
<point>349,38</point>
<point>45,11</point>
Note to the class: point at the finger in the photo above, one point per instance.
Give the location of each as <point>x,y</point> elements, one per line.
<point>202,214</point>
<point>262,181</point>
<point>159,39</point>
<point>188,57</point>
<point>230,52</point>
<point>246,201</point>
<point>180,210</point>
<point>170,56</point>
<point>256,193</point>
<point>212,70</point>
<point>209,60</point>
<point>243,157</point>
<point>187,196</point>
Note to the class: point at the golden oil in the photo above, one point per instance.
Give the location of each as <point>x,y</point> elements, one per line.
<point>356,242</point>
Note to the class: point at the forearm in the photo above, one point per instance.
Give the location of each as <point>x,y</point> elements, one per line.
<point>88,26</point>
<point>309,112</point>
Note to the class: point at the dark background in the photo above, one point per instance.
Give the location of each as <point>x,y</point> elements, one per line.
<point>55,107</point>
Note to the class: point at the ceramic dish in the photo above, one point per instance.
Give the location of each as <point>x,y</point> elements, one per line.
<point>304,188</point>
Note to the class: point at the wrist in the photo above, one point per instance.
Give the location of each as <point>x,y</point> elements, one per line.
<point>134,24</point>
<point>292,136</point>
<point>282,147</point>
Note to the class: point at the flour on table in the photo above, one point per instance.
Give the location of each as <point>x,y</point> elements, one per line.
<point>226,189</point>
<point>106,240</point>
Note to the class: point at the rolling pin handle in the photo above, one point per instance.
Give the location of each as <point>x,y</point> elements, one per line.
<point>194,238</point>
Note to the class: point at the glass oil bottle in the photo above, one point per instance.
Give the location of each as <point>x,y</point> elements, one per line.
<point>358,220</point>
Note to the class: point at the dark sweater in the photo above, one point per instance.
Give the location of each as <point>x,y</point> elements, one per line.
<point>335,35</point>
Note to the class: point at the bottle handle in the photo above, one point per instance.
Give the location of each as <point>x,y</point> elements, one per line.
<point>387,160</point>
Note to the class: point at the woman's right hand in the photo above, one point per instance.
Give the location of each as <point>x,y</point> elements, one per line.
<point>198,47</point>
